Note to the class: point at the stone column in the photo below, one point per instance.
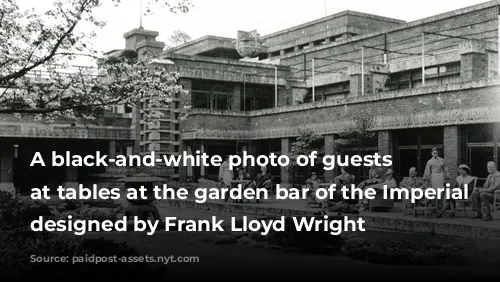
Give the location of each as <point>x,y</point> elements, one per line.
<point>112,149</point>
<point>385,143</point>
<point>375,77</point>
<point>202,167</point>
<point>6,168</point>
<point>451,151</point>
<point>286,180</point>
<point>356,85</point>
<point>251,150</point>
<point>136,126</point>
<point>473,60</point>
<point>189,168</point>
<point>283,96</point>
<point>183,170</point>
<point>329,174</point>
<point>236,101</point>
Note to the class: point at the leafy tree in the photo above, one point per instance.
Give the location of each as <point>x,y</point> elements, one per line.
<point>178,37</point>
<point>34,47</point>
<point>305,144</point>
<point>355,137</point>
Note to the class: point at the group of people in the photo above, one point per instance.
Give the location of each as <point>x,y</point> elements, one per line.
<point>436,175</point>
<point>337,203</point>
<point>226,177</point>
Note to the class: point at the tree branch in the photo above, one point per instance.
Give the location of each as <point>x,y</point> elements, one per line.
<point>54,49</point>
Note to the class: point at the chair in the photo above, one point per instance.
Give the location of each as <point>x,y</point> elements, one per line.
<point>311,201</point>
<point>271,192</point>
<point>496,200</point>
<point>429,206</point>
<point>468,201</point>
<point>406,208</point>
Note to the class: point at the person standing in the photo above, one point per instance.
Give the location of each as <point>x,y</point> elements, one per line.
<point>436,170</point>
<point>225,174</point>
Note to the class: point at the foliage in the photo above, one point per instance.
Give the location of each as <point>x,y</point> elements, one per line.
<point>35,46</point>
<point>307,142</point>
<point>400,252</point>
<point>18,212</point>
<point>356,135</point>
<point>178,37</point>
<point>18,244</point>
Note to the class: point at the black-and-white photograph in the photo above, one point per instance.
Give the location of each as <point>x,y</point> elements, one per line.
<point>249,140</point>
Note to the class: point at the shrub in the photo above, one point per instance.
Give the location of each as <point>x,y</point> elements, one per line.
<point>400,252</point>
<point>18,212</point>
<point>18,244</point>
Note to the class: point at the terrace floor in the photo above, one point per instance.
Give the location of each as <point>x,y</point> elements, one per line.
<point>461,226</point>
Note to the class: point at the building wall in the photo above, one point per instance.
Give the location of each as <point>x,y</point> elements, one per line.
<point>313,116</point>
<point>204,44</point>
<point>342,22</point>
<point>480,22</point>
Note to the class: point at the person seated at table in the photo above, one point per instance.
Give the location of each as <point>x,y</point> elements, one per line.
<point>242,174</point>
<point>339,203</point>
<point>389,181</point>
<point>462,180</point>
<point>344,179</point>
<point>424,202</point>
<point>486,194</point>
<point>378,201</point>
<point>411,182</point>
<point>375,176</point>
<point>312,183</point>
<point>262,180</point>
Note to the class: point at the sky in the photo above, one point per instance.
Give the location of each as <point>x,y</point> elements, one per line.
<point>226,17</point>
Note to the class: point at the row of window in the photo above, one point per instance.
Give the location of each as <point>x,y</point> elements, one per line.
<point>308,45</point>
<point>162,125</point>
<point>163,148</point>
<point>164,136</point>
<point>435,75</point>
<point>219,96</point>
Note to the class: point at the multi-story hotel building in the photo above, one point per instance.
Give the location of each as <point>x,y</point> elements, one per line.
<point>427,83</point>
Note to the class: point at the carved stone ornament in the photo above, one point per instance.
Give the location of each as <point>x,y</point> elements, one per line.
<point>248,44</point>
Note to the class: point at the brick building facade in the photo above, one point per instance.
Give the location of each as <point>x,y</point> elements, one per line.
<point>427,83</point>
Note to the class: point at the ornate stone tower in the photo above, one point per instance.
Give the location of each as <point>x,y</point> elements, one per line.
<point>143,42</point>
